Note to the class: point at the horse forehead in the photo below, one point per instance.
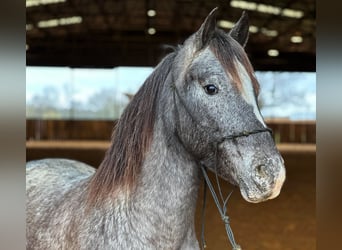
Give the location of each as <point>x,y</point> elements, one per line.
<point>206,61</point>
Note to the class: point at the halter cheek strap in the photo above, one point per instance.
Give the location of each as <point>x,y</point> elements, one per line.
<point>222,208</point>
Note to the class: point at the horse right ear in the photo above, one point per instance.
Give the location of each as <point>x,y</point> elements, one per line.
<point>206,31</point>
<point>240,31</point>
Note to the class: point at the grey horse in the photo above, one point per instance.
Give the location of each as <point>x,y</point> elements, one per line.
<point>143,195</point>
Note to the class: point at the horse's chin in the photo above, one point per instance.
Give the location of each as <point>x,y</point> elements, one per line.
<point>256,196</point>
<point>250,196</point>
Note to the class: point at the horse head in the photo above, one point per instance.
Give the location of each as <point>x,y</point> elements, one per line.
<point>216,110</point>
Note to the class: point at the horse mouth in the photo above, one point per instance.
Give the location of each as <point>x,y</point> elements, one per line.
<point>253,194</point>
<point>253,197</point>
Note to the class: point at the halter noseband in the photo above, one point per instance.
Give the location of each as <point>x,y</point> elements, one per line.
<point>221,208</point>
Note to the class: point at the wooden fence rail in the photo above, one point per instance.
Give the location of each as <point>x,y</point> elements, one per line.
<point>284,131</point>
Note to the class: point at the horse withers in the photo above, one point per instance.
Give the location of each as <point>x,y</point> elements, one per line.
<point>198,108</point>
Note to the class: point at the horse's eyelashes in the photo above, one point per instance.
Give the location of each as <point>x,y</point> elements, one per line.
<point>211,89</point>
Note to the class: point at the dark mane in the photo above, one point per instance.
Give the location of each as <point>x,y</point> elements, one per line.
<point>225,49</point>
<point>131,138</point>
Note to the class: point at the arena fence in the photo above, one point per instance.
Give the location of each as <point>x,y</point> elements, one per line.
<point>284,131</point>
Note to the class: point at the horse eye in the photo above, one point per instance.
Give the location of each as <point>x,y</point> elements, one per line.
<point>210,89</point>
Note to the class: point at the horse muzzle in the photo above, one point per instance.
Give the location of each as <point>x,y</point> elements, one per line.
<point>264,183</point>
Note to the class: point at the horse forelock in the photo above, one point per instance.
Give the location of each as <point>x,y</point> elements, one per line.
<point>131,139</point>
<point>232,56</point>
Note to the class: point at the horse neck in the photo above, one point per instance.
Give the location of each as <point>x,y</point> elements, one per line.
<point>167,190</point>
<point>168,167</point>
<point>169,172</point>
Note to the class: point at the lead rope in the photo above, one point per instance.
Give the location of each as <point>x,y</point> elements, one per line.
<point>204,244</point>
<point>221,208</point>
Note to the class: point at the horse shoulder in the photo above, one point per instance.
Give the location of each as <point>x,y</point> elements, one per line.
<point>55,189</point>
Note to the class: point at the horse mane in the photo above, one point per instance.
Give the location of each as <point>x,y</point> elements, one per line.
<point>227,51</point>
<point>131,138</point>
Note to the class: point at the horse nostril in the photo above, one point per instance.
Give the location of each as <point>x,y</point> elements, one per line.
<point>261,170</point>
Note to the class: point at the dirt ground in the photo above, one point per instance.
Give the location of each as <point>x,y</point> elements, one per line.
<point>287,222</point>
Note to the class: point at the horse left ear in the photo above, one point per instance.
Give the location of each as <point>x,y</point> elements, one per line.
<point>206,31</point>
<point>240,31</point>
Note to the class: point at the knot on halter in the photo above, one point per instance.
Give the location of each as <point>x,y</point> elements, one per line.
<point>221,208</point>
<point>245,133</point>
<point>225,219</point>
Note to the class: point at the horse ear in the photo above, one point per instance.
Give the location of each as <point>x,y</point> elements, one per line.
<point>240,31</point>
<point>206,31</point>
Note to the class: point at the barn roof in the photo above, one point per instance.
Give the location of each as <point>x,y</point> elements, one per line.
<point>98,33</point>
